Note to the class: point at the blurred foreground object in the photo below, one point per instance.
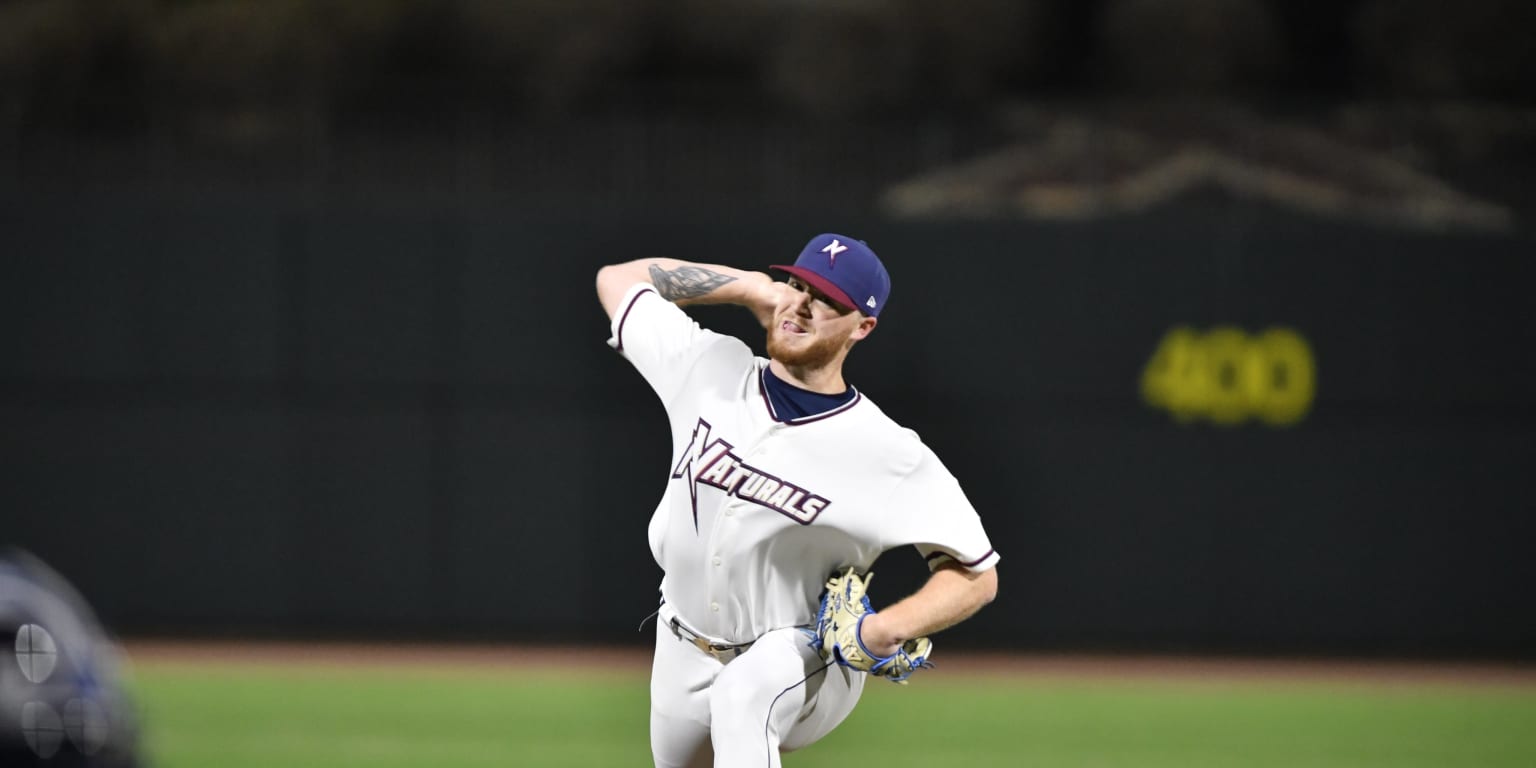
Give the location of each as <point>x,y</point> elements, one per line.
<point>61,699</point>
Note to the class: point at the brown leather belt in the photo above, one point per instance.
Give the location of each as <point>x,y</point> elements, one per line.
<point>722,652</point>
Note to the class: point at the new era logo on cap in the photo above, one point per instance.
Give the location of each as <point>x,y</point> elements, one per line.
<point>843,267</point>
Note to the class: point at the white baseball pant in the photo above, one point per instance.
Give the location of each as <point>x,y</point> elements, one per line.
<point>777,695</point>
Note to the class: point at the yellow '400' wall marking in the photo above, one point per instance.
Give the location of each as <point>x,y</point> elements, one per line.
<point>1228,376</point>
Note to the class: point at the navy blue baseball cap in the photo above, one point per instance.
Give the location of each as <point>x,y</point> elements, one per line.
<point>844,269</point>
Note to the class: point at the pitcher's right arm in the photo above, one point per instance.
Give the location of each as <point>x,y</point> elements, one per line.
<point>685,283</point>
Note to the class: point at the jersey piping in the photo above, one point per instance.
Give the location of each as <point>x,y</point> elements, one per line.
<point>762,390</point>
<point>971,564</point>
<point>619,335</point>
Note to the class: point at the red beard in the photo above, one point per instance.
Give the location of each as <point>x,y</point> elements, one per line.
<point>819,354</point>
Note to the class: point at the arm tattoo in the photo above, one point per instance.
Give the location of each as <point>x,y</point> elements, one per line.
<point>686,282</point>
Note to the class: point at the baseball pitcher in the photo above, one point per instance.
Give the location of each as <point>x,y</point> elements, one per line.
<point>786,484</point>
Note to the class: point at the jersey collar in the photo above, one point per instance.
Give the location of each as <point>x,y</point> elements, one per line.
<point>762,391</point>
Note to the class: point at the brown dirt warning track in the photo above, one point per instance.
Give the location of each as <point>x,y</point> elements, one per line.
<point>1022,667</point>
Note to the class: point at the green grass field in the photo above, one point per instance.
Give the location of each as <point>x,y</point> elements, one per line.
<point>232,715</point>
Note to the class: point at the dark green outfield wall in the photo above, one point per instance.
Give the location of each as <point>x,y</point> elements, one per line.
<point>370,420</point>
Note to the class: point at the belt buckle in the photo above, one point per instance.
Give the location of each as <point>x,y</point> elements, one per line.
<point>721,653</point>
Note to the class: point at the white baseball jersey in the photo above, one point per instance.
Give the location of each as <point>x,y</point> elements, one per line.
<point>759,511</point>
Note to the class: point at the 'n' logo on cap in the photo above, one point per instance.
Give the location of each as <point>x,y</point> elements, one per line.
<point>833,250</point>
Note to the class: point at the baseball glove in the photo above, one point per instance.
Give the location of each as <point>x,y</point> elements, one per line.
<point>844,607</point>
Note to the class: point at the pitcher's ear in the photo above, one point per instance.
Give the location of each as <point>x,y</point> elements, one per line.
<point>866,327</point>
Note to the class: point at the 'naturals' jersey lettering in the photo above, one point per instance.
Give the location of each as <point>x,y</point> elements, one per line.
<point>713,464</point>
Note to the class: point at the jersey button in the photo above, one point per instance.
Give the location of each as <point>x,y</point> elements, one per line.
<point>716,561</point>
<point>714,607</point>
